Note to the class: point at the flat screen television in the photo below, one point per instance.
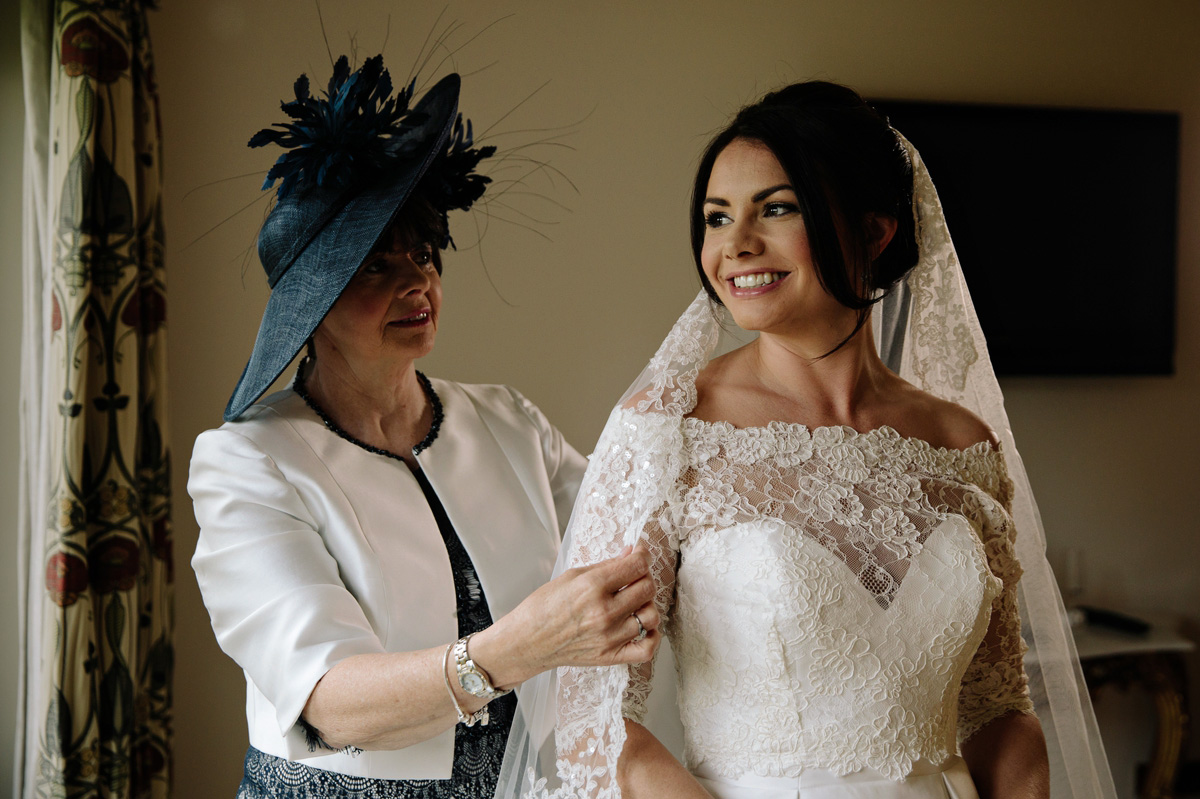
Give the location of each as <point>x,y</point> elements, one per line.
<point>1065,223</point>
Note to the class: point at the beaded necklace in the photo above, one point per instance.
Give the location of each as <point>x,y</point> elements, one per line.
<point>435,403</point>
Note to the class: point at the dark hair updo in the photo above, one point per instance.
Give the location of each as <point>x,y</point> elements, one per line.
<point>844,162</point>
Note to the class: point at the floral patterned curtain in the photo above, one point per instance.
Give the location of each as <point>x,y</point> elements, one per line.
<point>97,608</point>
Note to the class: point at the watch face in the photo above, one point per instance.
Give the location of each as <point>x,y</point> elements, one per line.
<point>472,683</point>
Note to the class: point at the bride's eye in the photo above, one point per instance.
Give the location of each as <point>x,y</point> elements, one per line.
<point>716,219</point>
<point>780,209</point>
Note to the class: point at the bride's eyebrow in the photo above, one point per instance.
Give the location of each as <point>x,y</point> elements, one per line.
<point>765,193</point>
<point>759,197</point>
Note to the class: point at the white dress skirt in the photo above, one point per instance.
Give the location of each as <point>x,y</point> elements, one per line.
<point>950,780</point>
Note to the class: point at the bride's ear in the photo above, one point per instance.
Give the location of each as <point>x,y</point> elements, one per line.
<point>880,229</point>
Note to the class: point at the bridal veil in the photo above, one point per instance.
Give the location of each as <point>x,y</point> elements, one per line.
<point>570,730</point>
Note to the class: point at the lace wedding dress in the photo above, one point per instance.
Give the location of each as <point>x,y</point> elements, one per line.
<point>835,600</point>
<point>845,607</point>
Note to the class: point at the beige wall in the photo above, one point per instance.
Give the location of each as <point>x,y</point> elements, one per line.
<point>569,321</point>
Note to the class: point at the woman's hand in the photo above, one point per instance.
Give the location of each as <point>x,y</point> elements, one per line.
<point>583,617</point>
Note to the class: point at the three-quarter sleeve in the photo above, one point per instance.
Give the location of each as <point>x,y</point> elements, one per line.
<point>272,589</point>
<point>995,682</point>
<point>620,503</point>
<point>664,558</point>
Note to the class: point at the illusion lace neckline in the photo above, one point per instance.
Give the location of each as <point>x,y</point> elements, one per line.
<point>982,449</point>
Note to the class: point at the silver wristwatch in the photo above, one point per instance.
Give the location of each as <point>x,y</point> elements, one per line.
<point>471,677</point>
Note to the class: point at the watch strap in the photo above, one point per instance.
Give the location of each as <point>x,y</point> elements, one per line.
<point>470,719</point>
<point>465,666</point>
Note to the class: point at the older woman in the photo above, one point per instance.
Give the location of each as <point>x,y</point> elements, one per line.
<point>372,541</point>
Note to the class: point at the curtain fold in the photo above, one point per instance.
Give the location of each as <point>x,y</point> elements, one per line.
<point>96,561</point>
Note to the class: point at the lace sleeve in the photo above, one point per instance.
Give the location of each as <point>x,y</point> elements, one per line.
<point>664,553</point>
<point>622,502</point>
<point>995,682</point>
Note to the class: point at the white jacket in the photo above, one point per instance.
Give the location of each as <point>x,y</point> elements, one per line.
<point>312,549</point>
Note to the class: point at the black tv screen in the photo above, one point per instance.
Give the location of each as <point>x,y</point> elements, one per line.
<point>1065,223</point>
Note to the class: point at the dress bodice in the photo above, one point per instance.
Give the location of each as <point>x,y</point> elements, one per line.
<point>832,590</point>
<point>835,600</point>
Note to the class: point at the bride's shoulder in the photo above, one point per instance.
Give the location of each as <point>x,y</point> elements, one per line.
<point>940,422</point>
<point>718,373</point>
<point>722,387</point>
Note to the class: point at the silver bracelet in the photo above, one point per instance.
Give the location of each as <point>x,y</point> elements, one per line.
<point>480,715</point>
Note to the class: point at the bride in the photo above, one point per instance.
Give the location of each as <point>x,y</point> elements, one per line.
<point>834,534</point>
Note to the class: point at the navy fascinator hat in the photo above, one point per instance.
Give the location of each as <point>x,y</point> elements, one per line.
<point>353,159</point>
